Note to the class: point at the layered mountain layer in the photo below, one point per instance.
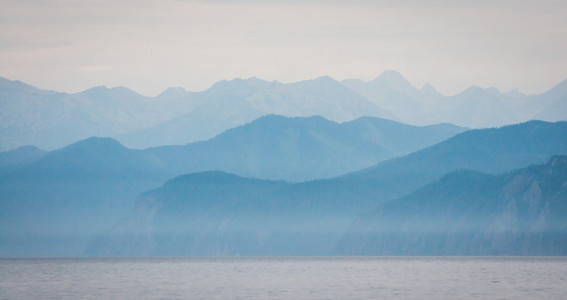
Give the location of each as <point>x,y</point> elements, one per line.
<point>471,213</point>
<point>215,213</point>
<point>64,196</point>
<point>51,120</point>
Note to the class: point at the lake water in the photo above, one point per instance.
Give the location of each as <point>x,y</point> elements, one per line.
<point>285,278</point>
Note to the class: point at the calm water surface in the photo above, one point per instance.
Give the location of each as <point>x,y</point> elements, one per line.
<point>285,278</point>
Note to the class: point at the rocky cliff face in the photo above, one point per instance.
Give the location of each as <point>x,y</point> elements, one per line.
<point>469,213</point>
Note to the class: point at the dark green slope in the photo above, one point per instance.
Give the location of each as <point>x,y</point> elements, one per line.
<point>470,213</point>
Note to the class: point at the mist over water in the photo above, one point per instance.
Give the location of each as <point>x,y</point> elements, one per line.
<point>286,278</point>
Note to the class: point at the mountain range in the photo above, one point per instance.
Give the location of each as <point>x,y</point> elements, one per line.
<point>265,168</point>
<point>474,107</point>
<point>215,213</point>
<point>302,148</point>
<point>51,120</point>
<point>471,213</point>
<point>95,181</point>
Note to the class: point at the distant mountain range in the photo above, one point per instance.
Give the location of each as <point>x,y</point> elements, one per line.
<point>475,107</point>
<point>95,181</point>
<point>51,120</point>
<point>300,149</point>
<point>215,213</point>
<point>265,168</point>
<point>271,147</point>
<point>471,213</point>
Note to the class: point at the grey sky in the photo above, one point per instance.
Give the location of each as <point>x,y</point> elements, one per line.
<point>149,45</point>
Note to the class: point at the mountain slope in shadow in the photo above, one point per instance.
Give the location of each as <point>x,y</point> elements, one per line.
<point>471,213</point>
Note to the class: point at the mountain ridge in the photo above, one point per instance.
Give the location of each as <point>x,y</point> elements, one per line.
<point>50,120</point>
<point>470,213</point>
<point>193,215</point>
<point>95,181</point>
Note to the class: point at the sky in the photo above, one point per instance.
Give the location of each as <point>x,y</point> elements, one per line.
<point>150,45</point>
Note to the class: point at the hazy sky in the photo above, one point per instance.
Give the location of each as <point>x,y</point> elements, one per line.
<point>147,45</point>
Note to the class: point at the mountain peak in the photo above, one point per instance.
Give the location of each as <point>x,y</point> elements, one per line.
<point>428,89</point>
<point>472,90</point>
<point>254,79</point>
<point>117,91</point>
<point>515,93</point>
<point>395,80</point>
<point>391,74</point>
<point>239,83</point>
<point>97,143</point>
<point>493,90</point>
<point>96,89</point>
<point>257,82</point>
<point>323,80</point>
<point>476,90</point>
<point>121,89</point>
<point>174,92</point>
